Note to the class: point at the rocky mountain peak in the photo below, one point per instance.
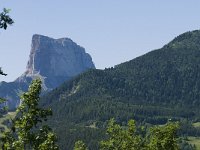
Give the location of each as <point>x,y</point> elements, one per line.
<point>56,59</point>
<point>53,60</point>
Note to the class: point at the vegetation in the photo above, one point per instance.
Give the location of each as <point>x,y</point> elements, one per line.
<point>5,19</point>
<point>122,138</point>
<point>27,132</point>
<point>3,109</point>
<point>195,141</point>
<point>80,145</point>
<point>5,121</point>
<point>196,124</point>
<point>119,138</point>
<point>159,86</point>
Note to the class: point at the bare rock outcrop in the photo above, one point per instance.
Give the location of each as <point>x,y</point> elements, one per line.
<point>53,60</point>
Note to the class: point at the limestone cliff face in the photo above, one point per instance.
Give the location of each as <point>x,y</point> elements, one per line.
<point>53,60</point>
<point>61,57</point>
<point>56,60</point>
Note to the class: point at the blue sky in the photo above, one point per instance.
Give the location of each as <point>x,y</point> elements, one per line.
<point>111,31</point>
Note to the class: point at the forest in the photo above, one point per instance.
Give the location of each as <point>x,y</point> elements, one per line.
<point>153,100</point>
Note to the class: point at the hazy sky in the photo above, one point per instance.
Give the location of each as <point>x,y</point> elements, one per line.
<point>111,31</point>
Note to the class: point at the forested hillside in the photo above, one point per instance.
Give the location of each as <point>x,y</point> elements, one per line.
<point>160,85</point>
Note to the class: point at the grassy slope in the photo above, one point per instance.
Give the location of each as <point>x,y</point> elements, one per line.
<point>197,124</point>
<point>195,141</point>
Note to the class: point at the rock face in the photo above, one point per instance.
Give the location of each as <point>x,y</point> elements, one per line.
<point>56,60</point>
<point>53,60</point>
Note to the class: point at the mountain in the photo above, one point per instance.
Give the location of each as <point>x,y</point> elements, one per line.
<point>160,85</point>
<point>53,60</point>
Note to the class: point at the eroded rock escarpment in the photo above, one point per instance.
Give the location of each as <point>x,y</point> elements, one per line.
<point>53,60</point>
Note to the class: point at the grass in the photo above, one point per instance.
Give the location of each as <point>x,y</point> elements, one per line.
<point>197,124</point>
<point>194,141</point>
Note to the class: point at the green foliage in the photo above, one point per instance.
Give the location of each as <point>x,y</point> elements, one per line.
<point>5,19</point>
<point>79,145</point>
<point>2,73</point>
<point>25,132</point>
<point>164,138</point>
<point>122,139</point>
<point>3,109</point>
<point>186,145</point>
<point>160,85</point>
<point>128,138</point>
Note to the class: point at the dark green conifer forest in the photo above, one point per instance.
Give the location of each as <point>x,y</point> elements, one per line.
<point>152,89</point>
<point>146,96</point>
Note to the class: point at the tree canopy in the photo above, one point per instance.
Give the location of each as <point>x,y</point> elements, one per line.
<point>5,19</point>
<point>27,131</point>
<point>129,138</point>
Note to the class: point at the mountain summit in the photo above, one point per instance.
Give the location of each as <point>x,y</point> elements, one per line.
<point>56,60</point>
<point>160,85</point>
<point>53,60</point>
<point>186,40</point>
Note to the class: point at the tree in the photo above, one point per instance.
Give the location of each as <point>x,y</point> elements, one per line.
<point>5,19</point>
<point>80,145</point>
<point>120,138</point>
<point>27,131</point>
<point>128,138</point>
<point>3,109</point>
<point>164,138</point>
<point>2,73</point>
